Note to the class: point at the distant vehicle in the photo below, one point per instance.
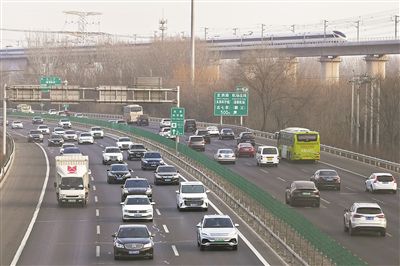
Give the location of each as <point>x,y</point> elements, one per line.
<point>55,140</point>
<point>364,216</point>
<point>71,150</point>
<point>217,231</point>
<point>66,145</point>
<point>166,174</point>
<point>70,135</point>
<point>64,123</point>
<point>24,108</point>
<point>190,125</point>
<point>78,115</point>
<point>123,143</point>
<point>192,195</point>
<point>381,182</point>
<point>17,124</point>
<point>52,112</point>
<point>44,129</point>
<point>72,179</point>
<point>143,120</point>
<point>165,122</point>
<point>136,151</point>
<point>165,131</point>
<point>136,186</point>
<point>132,112</point>
<point>246,137</point>
<point>137,207</point>
<point>37,120</point>
<point>197,143</point>
<point>299,144</point>
<point>133,235</point>
<point>326,178</point>
<point>1,121</point>
<point>85,137</point>
<point>245,149</point>
<point>118,173</point>
<point>118,121</point>
<point>35,135</point>
<point>97,132</point>
<point>112,155</point>
<point>205,134</point>
<point>59,131</point>
<point>302,192</point>
<point>267,155</point>
<point>151,160</point>
<point>213,131</point>
<point>225,156</point>
<point>226,133</point>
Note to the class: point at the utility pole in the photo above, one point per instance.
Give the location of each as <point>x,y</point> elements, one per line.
<point>292,28</point>
<point>163,27</point>
<point>352,112</point>
<point>262,31</point>
<point>396,21</point>
<point>4,120</point>
<point>378,103</point>
<point>371,114</point>
<point>155,35</point>
<point>358,117</point>
<point>192,72</point>
<point>235,31</point>
<point>205,33</point>
<point>325,26</point>
<point>358,30</point>
<point>366,114</point>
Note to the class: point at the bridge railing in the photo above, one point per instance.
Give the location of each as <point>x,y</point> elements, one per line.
<point>6,162</point>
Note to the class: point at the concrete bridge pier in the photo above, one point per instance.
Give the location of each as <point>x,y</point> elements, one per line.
<point>376,65</point>
<point>330,68</point>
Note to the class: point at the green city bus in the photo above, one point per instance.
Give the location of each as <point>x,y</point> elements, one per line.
<point>297,144</point>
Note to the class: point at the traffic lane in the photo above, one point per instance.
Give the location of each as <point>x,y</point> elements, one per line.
<point>180,225</point>
<point>61,236</point>
<point>19,195</point>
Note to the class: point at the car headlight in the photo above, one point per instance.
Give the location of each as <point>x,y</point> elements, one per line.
<point>204,234</point>
<point>128,174</point>
<point>147,245</point>
<point>63,195</point>
<point>106,157</point>
<point>144,161</point>
<point>161,162</point>
<point>118,245</point>
<point>148,191</point>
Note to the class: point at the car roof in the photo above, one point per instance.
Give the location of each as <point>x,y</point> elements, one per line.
<point>366,204</point>
<point>265,146</point>
<point>116,164</point>
<point>386,174</point>
<point>191,183</point>
<point>216,216</point>
<point>137,196</point>
<point>133,225</point>
<point>135,178</point>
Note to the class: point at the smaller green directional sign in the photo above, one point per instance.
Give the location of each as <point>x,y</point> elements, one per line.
<point>177,121</point>
<point>47,82</point>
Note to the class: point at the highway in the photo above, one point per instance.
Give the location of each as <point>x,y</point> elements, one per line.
<point>82,236</point>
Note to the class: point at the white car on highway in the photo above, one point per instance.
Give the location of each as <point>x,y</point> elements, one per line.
<point>44,129</point>
<point>85,137</point>
<point>165,122</point>
<point>112,155</point>
<point>225,156</point>
<point>137,207</point>
<point>16,124</point>
<point>97,132</point>
<point>364,217</point>
<point>213,131</point>
<point>124,143</point>
<point>192,195</point>
<point>66,145</point>
<point>58,131</point>
<point>64,123</point>
<point>381,182</point>
<point>70,135</point>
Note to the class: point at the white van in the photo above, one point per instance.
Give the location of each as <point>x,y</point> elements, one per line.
<point>267,155</point>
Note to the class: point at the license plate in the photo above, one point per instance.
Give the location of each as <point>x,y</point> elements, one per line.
<point>133,251</point>
<point>193,204</point>
<point>167,179</point>
<point>219,240</point>
<point>71,200</point>
<point>329,179</point>
<point>306,193</point>
<point>153,165</point>
<point>385,183</point>
<point>369,218</point>
<point>137,215</point>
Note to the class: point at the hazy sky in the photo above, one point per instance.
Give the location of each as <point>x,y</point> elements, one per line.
<point>142,17</point>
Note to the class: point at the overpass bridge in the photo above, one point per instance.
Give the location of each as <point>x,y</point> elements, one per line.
<point>329,53</point>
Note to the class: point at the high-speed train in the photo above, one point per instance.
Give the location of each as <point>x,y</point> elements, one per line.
<point>281,39</point>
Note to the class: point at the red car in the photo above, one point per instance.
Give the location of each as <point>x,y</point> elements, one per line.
<point>245,148</point>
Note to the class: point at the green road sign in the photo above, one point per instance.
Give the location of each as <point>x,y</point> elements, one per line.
<point>47,82</point>
<point>177,121</point>
<point>230,103</point>
<point>241,88</point>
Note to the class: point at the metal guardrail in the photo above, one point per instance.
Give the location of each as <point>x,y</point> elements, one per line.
<point>10,152</point>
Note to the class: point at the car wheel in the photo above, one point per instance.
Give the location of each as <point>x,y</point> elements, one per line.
<point>151,257</point>
<point>338,188</point>
<point>345,228</point>
<point>351,230</point>
<point>383,232</point>
<point>258,164</point>
<point>108,181</point>
<point>286,200</point>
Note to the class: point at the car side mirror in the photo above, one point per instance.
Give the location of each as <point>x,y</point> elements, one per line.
<point>122,186</point>
<point>108,170</point>
<point>177,171</point>
<point>152,203</point>
<point>346,210</point>
<point>102,151</point>
<point>152,235</point>
<point>177,191</point>
<point>287,187</point>
<point>114,235</point>
<point>198,225</point>
<point>207,191</point>
<point>130,170</point>
<point>236,225</point>
<point>122,203</point>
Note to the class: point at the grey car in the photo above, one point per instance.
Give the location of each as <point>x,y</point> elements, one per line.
<point>197,143</point>
<point>136,186</point>
<point>166,174</point>
<point>118,173</point>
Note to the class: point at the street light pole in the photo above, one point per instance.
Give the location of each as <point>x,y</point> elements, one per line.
<point>192,76</point>
<point>4,121</point>
<point>352,113</point>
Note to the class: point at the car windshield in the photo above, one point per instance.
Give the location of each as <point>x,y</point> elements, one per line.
<point>70,132</point>
<point>35,132</point>
<point>136,183</point>
<point>56,137</point>
<point>212,128</point>
<point>113,150</point>
<point>218,222</point>
<point>133,232</point>
<point>196,139</point>
<point>37,118</point>
<point>58,130</point>
<point>152,155</point>
<point>384,178</point>
<point>64,120</point>
<point>247,135</point>
<point>225,151</point>
<point>71,150</point>
<point>245,145</point>
<point>227,130</point>
<point>166,120</point>
<point>43,127</point>
<point>137,147</point>
<point>166,169</point>
<point>269,151</point>
<point>369,210</point>
<point>119,167</point>
<point>137,201</point>
<point>96,129</point>
<point>71,183</point>
<point>192,189</point>
<point>123,139</point>
<point>68,145</point>
<point>86,135</point>
<point>190,122</point>
<point>202,132</point>
<point>328,173</point>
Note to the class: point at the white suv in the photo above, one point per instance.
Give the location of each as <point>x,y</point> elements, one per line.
<point>64,123</point>
<point>381,181</point>
<point>364,216</point>
<point>112,155</point>
<point>192,195</point>
<point>267,155</point>
<point>97,132</point>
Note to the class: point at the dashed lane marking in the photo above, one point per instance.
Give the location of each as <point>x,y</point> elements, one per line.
<point>175,250</point>
<point>349,188</point>
<point>94,188</point>
<point>96,199</point>
<point>91,178</point>
<point>97,251</point>
<point>158,212</point>
<point>280,178</point>
<point>324,200</point>
<point>98,229</point>
<point>378,200</point>
<point>97,212</point>
<point>265,171</point>
<point>165,228</point>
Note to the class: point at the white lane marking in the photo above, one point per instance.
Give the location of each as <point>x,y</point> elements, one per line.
<point>265,171</point>
<point>304,170</point>
<point>158,212</point>
<point>97,212</point>
<point>280,178</point>
<point>98,229</point>
<point>35,214</point>
<point>252,248</point>
<point>165,228</point>
<point>97,251</point>
<point>175,250</point>
<point>377,200</point>
<point>324,200</point>
<point>349,188</point>
<point>101,145</point>
<point>249,164</point>
<point>388,234</point>
<point>94,188</point>
<point>96,199</point>
<point>323,206</point>
<point>91,178</point>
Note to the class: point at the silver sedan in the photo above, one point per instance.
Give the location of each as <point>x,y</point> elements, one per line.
<point>225,155</point>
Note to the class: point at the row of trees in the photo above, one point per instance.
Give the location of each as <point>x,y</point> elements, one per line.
<point>278,97</point>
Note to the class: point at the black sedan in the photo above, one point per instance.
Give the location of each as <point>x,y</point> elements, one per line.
<point>133,241</point>
<point>302,192</point>
<point>136,151</point>
<point>55,140</point>
<point>326,178</point>
<point>151,160</point>
<point>118,173</point>
<point>226,133</point>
